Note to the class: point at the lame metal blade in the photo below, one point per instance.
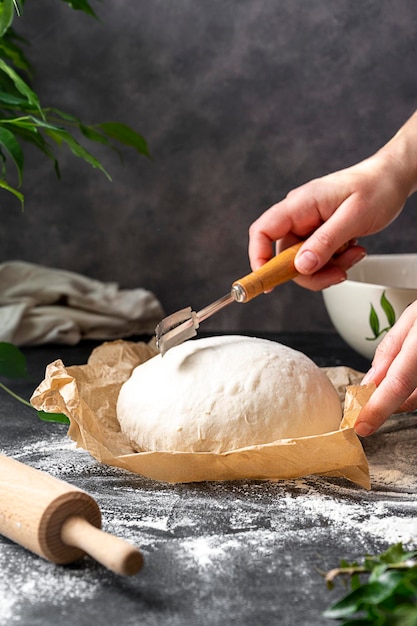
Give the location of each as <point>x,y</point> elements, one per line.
<point>182,325</point>
<point>175,329</point>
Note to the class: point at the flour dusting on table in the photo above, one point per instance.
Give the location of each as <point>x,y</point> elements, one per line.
<point>209,531</point>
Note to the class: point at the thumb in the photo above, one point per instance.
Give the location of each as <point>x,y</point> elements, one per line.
<point>319,248</point>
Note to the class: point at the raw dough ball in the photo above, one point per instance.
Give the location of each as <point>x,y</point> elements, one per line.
<point>223,393</point>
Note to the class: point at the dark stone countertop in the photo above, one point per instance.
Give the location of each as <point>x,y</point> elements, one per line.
<point>245,553</point>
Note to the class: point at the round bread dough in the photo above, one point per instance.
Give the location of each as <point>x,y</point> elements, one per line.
<point>224,393</point>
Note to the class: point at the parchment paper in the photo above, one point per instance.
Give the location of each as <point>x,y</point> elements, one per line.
<point>88,393</point>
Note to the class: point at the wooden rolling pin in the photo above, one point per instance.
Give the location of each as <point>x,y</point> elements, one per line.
<point>58,521</point>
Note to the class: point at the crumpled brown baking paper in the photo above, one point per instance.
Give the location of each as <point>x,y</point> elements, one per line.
<point>88,393</point>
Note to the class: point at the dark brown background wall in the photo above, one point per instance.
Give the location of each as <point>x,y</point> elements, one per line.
<point>240,101</point>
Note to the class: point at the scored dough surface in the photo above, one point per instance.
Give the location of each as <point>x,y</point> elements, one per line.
<point>224,393</point>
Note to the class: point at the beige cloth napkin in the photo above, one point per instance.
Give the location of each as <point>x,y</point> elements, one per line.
<point>43,305</point>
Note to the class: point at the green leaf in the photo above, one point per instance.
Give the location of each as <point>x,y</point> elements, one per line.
<point>377,570</point>
<point>404,615</point>
<point>10,49</point>
<point>389,597</point>
<point>353,602</point>
<point>395,554</point>
<point>81,5</point>
<point>60,135</point>
<point>6,15</point>
<point>29,132</point>
<point>25,118</point>
<point>361,622</point>
<point>392,579</point>
<point>56,418</point>
<point>374,321</point>
<point>9,143</point>
<point>388,309</point>
<point>67,117</point>
<point>10,99</point>
<point>125,135</point>
<point>13,365</point>
<point>91,133</point>
<point>12,361</point>
<point>21,86</point>
<point>4,185</point>
<point>370,562</point>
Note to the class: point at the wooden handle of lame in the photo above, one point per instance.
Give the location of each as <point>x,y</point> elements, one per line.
<point>278,270</point>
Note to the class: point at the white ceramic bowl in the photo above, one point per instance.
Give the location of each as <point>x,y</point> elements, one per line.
<point>377,291</point>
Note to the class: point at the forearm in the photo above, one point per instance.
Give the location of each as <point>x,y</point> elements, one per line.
<point>401,151</point>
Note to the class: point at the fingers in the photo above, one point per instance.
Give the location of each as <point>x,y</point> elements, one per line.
<point>300,213</point>
<point>329,237</point>
<point>316,251</point>
<point>394,370</point>
<point>391,345</point>
<point>321,207</point>
<point>409,405</point>
<point>333,272</point>
<point>268,229</point>
<point>264,232</point>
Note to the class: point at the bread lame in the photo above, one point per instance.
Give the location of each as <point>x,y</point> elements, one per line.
<point>182,325</point>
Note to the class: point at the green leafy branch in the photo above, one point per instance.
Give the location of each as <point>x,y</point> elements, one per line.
<point>374,322</point>
<point>13,365</point>
<point>24,119</point>
<point>387,597</point>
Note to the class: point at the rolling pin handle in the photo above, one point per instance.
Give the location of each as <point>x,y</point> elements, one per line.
<point>113,552</point>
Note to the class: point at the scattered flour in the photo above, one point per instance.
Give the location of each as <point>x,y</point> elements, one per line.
<point>38,582</point>
<point>207,529</point>
<point>208,550</point>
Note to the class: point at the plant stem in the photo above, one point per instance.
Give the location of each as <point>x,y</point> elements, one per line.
<point>12,393</point>
<point>359,569</point>
<point>343,571</point>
